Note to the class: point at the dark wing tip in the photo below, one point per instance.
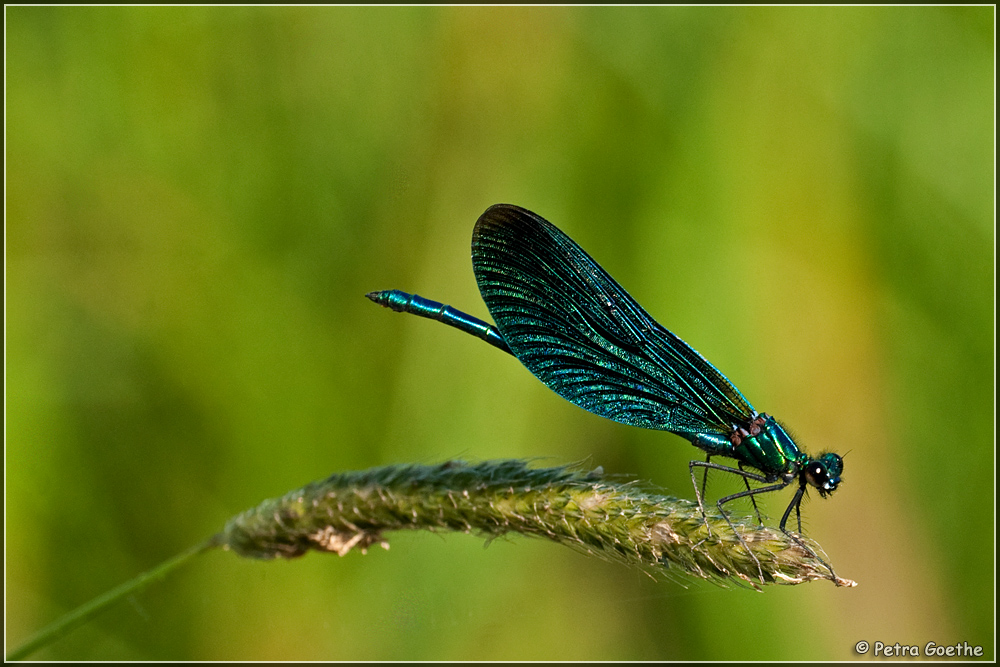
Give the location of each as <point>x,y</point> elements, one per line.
<point>506,216</point>
<point>498,208</point>
<point>497,213</point>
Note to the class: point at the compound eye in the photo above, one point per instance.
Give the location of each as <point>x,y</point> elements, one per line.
<point>817,476</point>
<point>824,473</point>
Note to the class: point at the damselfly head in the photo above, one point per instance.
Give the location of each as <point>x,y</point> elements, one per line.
<point>824,473</point>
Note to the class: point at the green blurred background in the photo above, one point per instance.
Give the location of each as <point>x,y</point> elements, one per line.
<point>198,199</point>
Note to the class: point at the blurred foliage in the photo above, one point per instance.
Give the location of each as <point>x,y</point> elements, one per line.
<point>198,199</point>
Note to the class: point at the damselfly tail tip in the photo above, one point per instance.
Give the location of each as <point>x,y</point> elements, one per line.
<point>378,297</point>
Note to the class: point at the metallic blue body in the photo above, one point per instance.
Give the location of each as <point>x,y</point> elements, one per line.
<point>772,451</point>
<point>401,302</point>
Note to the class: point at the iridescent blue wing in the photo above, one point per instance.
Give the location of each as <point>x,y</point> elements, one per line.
<point>581,334</point>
